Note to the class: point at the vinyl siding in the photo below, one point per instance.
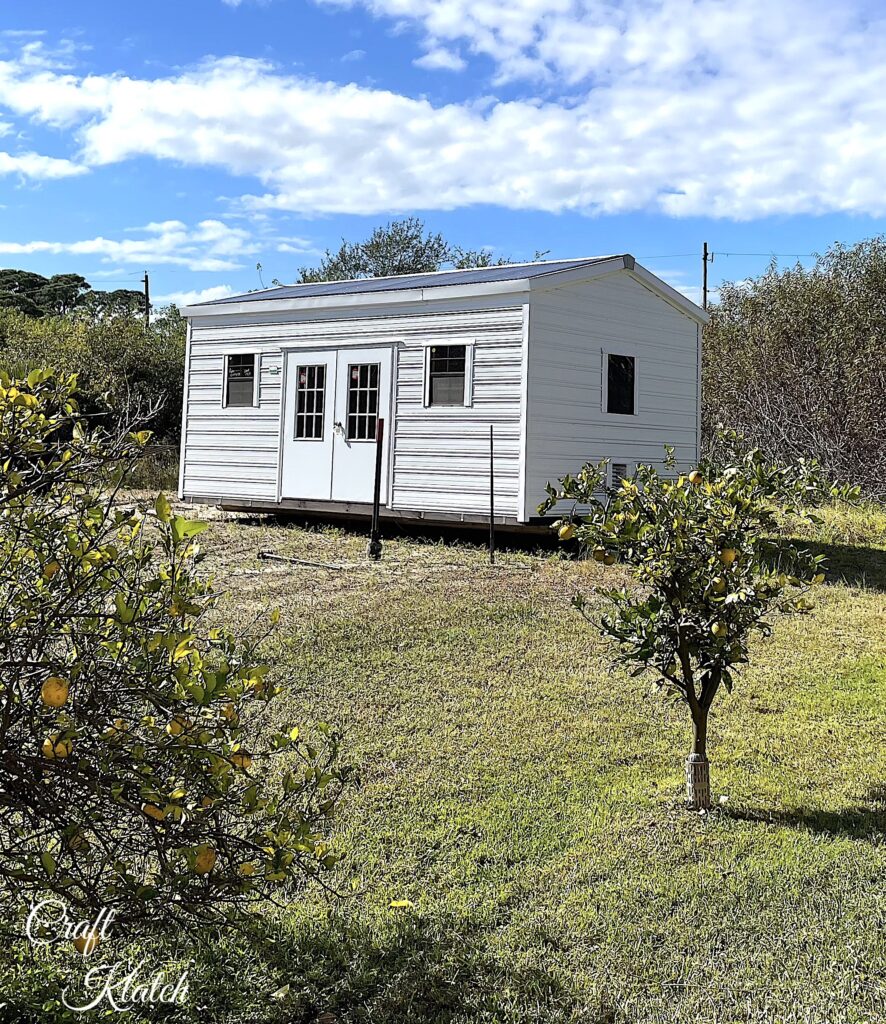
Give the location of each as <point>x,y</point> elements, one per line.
<point>567,427</point>
<point>230,452</point>
<point>440,457</point>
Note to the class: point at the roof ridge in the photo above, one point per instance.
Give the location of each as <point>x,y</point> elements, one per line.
<point>449,270</point>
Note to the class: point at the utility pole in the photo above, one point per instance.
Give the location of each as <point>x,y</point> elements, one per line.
<point>706,258</point>
<point>148,299</point>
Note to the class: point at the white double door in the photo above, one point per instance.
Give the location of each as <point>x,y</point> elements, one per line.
<point>333,401</point>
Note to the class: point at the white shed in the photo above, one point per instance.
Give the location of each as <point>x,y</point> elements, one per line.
<point>568,361</point>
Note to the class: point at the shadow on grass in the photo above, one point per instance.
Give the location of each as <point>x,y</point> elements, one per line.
<point>410,969</point>
<point>859,822</point>
<point>335,970</point>
<point>529,540</point>
<point>848,564</point>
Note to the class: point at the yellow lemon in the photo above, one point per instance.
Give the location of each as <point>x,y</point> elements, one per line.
<point>205,860</point>
<point>566,531</point>
<point>56,747</point>
<point>153,811</point>
<point>177,726</point>
<point>718,628</point>
<point>728,556</point>
<point>86,944</point>
<point>609,558</point>
<point>116,731</point>
<point>718,584</point>
<point>599,554</point>
<point>207,802</point>
<point>247,868</point>
<point>54,692</point>
<point>241,759</point>
<point>695,478</point>
<point>50,570</point>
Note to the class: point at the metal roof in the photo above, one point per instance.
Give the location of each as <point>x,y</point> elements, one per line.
<point>479,275</point>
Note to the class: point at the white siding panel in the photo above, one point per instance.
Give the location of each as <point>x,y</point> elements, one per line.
<point>230,453</point>
<point>440,457</point>
<point>567,427</point>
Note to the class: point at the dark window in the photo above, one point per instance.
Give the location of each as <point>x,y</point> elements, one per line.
<point>620,385</point>
<point>310,396</point>
<point>241,380</point>
<point>446,372</point>
<point>362,401</point>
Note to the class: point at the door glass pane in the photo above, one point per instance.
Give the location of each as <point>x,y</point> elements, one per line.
<point>310,394</point>
<point>363,380</point>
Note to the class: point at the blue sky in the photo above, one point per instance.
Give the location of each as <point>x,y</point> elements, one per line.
<point>197,138</point>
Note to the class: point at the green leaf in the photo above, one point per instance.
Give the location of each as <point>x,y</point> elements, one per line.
<point>124,613</point>
<point>163,508</point>
<point>48,862</point>
<point>183,529</point>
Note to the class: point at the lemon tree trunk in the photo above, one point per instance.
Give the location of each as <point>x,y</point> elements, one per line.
<point>698,772</point>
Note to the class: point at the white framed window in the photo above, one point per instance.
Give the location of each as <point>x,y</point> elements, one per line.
<point>449,373</point>
<point>620,385</point>
<point>241,380</point>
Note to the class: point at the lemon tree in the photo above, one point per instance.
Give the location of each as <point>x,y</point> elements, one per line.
<point>131,777</point>
<point>703,549</point>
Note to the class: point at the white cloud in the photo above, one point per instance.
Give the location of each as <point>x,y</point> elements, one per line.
<point>219,291</point>
<point>353,55</point>
<point>211,245</point>
<point>686,107</point>
<point>440,59</point>
<point>36,166</point>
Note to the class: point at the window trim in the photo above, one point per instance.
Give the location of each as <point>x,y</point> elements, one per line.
<point>256,382</point>
<point>468,344</point>
<point>604,380</point>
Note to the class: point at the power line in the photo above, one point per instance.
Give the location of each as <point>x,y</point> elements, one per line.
<point>687,255</point>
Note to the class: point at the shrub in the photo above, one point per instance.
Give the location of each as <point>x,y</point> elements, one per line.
<point>134,775</point>
<point>709,572</point>
<point>794,360</point>
<point>123,372</point>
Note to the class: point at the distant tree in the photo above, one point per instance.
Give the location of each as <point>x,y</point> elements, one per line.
<point>21,303</point>
<point>795,361</point>
<point>18,290</point>
<point>399,247</point>
<point>62,292</point>
<point>36,295</point>
<point>120,367</point>
<point>122,302</point>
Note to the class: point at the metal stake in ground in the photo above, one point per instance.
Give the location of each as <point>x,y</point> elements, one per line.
<point>374,547</point>
<point>491,498</point>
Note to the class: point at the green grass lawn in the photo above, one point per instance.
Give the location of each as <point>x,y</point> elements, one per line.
<point>525,798</point>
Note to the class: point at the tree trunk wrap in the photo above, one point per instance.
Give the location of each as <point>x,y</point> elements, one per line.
<point>698,782</point>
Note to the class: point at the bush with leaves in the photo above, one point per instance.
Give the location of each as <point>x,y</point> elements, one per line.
<point>710,568</point>
<point>794,359</point>
<point>135,774</point>
<point>123,371</point>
